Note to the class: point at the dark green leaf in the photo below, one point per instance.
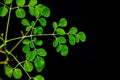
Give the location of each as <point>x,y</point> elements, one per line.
<point>20,13</point>
<point>31,55</point>
<point>38,42</point>
<point>26,41</point>
<point>60,31</point>
<point>1,79</point>
<point>71,39</point>
<point>26,49</point>
<point>54,25</point>
<point>28,66</point>
<point>32,2</point>
<point>25,22</point>
<point>39,63</point>
<point>63,22</point>
<point>39,77</point>
<point>3,11</point>
<point>64,50</point>
<point>73,30</point>
<point>61,39</point>
<point>32,11</point>
<point>46,12</point>
<point>82,36</point>
<point>8,1</point>
<point>77,38</point>
<point>17,73</point>
<point>58,49</point>
<point>20,2</point>
<point>8,70</point>
<point>55,43</point>
<point>41,52</point>
<point>43,22</point>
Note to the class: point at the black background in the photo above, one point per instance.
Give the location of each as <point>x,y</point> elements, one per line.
<point>85,60</point>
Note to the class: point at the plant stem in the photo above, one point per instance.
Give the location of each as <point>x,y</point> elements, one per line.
<point>7,25</point>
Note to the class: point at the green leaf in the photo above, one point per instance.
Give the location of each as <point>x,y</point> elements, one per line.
<point>39,77</point>
<point>82,36</point>
<point>31,44</point>
<point>46,12</point>
<point>26,48</point>
<point>26,41</point>
<point>33,23</point>
<point>8,70</point>
<point>41,52</point>
<point>1,79</point>
<point>60,31</point>
<point>17,73</point>
<point>62,22</point>
<point>71,39</point>
<point>39,63</point>
<point>38,42</point>
<point>39,30</point>
<point>32,2</point>
<point>25,22</point>
<point>31,55</point>
<point>55,43</point>
<point>36,12</point>
<point>77,38</point>
<point>20,13</point>
<point>32,11</point>
<point>28,66</point>
<point>54,25</point>
<point>64,50</point>
<point>34,31</point>
<point>8,1</point>
<point>20,2</point>
<point>61,39</point>
<point>43,22</point>
<point>28,28</point>
<point>73,30</point>
<point>58,49</point>
<point>3,11</point>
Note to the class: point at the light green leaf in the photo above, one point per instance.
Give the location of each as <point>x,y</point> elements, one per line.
<point>20,13</point>
<point>32,2</point>
<point>46,12</point>
<point>36,12</point>
<point>71,39</point>
<point>3,11</point>
<point>25,22</point>
<point>32,11</point>
<point>62,22</point>
<point>61,39</point>
<point>8,1</point>
<point>58,49</point>
<point>31,55</point>
<point>54,25</point>
<point>55,43</point>
<point>64,50</point>
<point>17,73</point>
<point>20,2</point>
<point>34,31</point>
<point>8,70</point>
<point>28,28</point>
<point>26,48</point>
<point>28,66</point>
<point>41,52</point>
<point>39,63</point>
<point>77,38</point>
<point>26,41</point>
<point>60,31</point>
<point>32,23</point>
<point>73,30</point>
<point>43,22</point>
<point>39,30</point>
<point>39,77</point>
<point>38,42</point>
<point>31,44</point>
<point>82,36</point>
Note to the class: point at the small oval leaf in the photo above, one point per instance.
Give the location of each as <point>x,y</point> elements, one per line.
<point>32,11</point>
<point>71,39</point>
<point>61,39</point>
<point>60,31</point>
<point>20,13</point>
<point>20,2</point>
<point>73,30</point>
<point>17,73</point>
<point>8,1</point>
<point>3,11</point>
<point>82,36</point>
<point>39,77</point>
<point>41,52</point>
<point>25,22</point>
<point>32,2</point>
<point>28,66</point>
<point>54,25</point>
<point>26,41</point>
<point>43,22</point>
<point>26,48</point>
<point>63,22</point>
<point>8,70</point>
<point>31,55</point>
<point>64,50</point>
<point>46,12</point>
<point>55,43</point>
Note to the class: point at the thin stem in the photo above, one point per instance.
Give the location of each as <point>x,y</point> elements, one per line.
<point>19,64</point>
<point>20,7</point>
<point>4,4</point>
<point>7,25</point>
